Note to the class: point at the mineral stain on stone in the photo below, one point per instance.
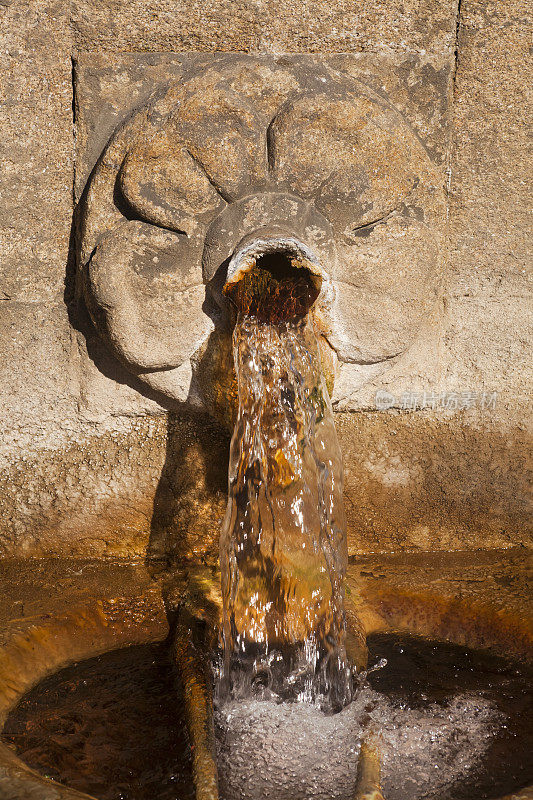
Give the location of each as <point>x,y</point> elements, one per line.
<point>277,288</point>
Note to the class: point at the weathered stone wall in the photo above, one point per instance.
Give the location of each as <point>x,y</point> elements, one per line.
<point>84,446</point>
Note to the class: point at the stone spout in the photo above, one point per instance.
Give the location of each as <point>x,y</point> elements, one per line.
<point>276,241</point>
<point>274,275</point>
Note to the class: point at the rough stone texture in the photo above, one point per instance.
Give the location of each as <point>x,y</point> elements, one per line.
<point>434,481</point>
<point>38,387</point>
<point>109,85</point>
<point>445,478</point>
<point>418,83</point>
<point>490,319</point>
<point>233,146</point>
<point>487,328</point>
<point>91,496</point>
<point>265,26</point>
<point>36,141</point>
<point>37,400</point>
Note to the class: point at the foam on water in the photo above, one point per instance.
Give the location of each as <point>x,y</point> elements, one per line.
<point>289,751</point>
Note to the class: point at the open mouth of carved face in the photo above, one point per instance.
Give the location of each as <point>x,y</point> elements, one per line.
<point>273,281</point>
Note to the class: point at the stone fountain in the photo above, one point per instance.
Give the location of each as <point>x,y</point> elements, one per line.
<point>239,159</point>
<point>242,158</point>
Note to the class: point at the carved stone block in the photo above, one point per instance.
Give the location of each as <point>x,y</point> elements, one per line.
<point>220,147</point>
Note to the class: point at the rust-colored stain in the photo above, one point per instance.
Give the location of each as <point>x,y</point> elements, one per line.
<point>476,624</point>
<point>277,288</point>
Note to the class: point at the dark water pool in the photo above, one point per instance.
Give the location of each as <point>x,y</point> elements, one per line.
<point>112,726</point>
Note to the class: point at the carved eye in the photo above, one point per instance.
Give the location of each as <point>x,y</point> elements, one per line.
<point>165,185</point>
<point>385,289</point>
<point>146,295</point>
<point>347,153</point>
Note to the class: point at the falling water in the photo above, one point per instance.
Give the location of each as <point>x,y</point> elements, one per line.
<point>283,540</point>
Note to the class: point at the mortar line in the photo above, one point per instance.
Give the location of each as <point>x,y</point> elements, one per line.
<point>452,105</point>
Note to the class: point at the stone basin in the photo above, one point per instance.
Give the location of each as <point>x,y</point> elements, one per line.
<point>54,612</point>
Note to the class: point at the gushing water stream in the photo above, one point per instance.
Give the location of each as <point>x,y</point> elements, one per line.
<point>283,543</point>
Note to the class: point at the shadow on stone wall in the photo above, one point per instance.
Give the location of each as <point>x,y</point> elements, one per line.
<point>190,499</point>
<point>88,338</point>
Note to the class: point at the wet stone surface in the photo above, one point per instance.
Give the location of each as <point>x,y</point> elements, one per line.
<point>110,726</point>
<point>457,720</point>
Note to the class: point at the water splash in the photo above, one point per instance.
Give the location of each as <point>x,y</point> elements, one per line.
<point>283,547</point>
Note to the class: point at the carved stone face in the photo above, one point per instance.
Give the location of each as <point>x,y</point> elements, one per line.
<point>244,147</point>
